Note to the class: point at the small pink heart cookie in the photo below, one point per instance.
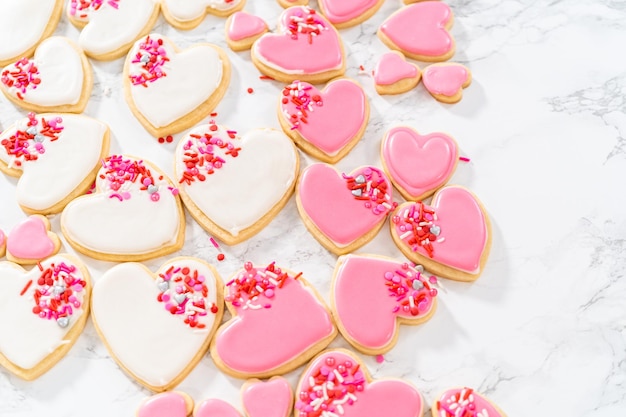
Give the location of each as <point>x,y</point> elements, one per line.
<point>347,13</point>
<point>186,14</point>
<point>446,81</point>
<point>3,243</point>
<point>451,237</point>
<point>279,322</point>
<point>393,75</point>
<point>464,402</point>
<point>215,408</point>
<point>272,398</point>
<point>166,404</point>
<point>32,241</point>
<point>420,31</point>
<point>390,293</point>
<point>354,393</point>
<point>325,124</point>
<point>343,211</point>
<point>417,164</point>
<point>306,47</point>
<point>242,29</point>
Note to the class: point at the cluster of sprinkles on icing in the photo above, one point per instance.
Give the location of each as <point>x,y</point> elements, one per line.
<point>411,288</point>
<point>184,292</point>
<point>26,144</point>
<point>460,404</point>
<point>297,93</point>
<point>331,387</point>
<point>57,292</point>
<point>81,8</point>
<point>23,75</point>
<point>252,283</point>
<point>201,157</point>
<point>371,187</point>
<point>309,24</point>
<point>419,226</point>
<point>151,58</point>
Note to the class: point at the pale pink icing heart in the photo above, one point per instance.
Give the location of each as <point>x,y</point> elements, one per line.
<point>370,399</point>
<point>462,226</point>
<point>335,122</point>
<point>445,79</point>
<point>245,25</point>
<point>420,29</point>
<point>391,68</point>
<point>167,404</point>
<point>341,11</point>
<point>386,289</point>
<point>30,240</point>
<point>419,164</point>
<point>465,402</point>
<point>215,408</point>
<point>268,399</point>
<point>334,209</point>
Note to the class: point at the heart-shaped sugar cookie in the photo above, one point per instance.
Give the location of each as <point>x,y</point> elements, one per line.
<point>3,243</point>
<point>55,156</point>
<point>31,241</point>
<point>350,391</point>
<point>390,293</point>
<point>133,214</point>
<point>215,408</point>
<point>234,186</point>
<point>187,14</point>
<point>451,237</point>
<point>325,124</point>
<point>464,402</point>
<point>109,28</point>
<point>306,47</point>
<point>446,81</point>
<point>170,90</point>
<point>158,326</point>
<point>343,212</point>
<point>418,164</point>
<point>242,29</point>
<point>289,3</point>
<point>272,398</point>
<point>394,75</point>
<point>279,322</point>
<point>166,404</point>
<point>58,78</point>
<point>346,13</point>
<point>420,31</point>
<point>44,311</point>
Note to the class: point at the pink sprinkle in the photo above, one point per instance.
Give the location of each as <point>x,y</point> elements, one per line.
<point>464,159</point>
<point>380,358</point>
<point>214,243</point>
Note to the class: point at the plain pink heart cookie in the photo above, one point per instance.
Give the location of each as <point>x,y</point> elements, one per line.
<point>306,47</point>
<point>242,29</point>
<point>325,124</point>
<point>215,408</point>
<point>354,393</point>
<point>235,185</point>
<point>31,241</point>
<point>451,237</point>
<point>158,326</point>
<point>394,75</point>
<point>187,14</point>
<point>42,313</point>
<point>417,164</point>
<point>170,90</point>
<point>464,402</point>
<point>166,404</point>
<point>343,212</point>
<point>133,214</point>
<point>58,78</point>
<point>420,31</point>
<point>272,398</point>
<point>279,322</point>
<point>389,293</point>
<point>347,13</point>
<point>55,156</point>
<point>446,82</point>
<point>109,28</point>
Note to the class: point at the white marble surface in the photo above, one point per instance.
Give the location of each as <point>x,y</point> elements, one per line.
<point>543,331</point>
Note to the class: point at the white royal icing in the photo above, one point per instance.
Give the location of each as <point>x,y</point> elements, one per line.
<point>185,10</point>
<point>246,187</point>
<point>22,23</point>
<point>65,163</point>
<point>148,340</point>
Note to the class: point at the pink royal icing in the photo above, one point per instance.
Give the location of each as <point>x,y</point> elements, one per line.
<point>268,399</point>
<point>215,408</point>
<point>445,79</point>
<point>167,404</point>
<point>391,68</point>
<point>465,402</point>
<point>340,11</point>
<point>245,25</point>
<point>30,240</point>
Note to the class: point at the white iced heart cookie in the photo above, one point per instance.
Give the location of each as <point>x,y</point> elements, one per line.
<point>170,90</point>
<point>158,326</point>
<point>233,186</point>
<point>42,313</point>
<point>109,28</point>
<point>55,156</point>
<point>187,14</point>
<point>58,78</point>
<point>25,23</point>
<point>133,214</point>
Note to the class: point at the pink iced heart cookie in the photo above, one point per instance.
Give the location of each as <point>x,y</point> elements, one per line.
<point>58,78</point>
<point>343,212</point>
<point>347,13</point>
<point>3,243</point>
<point>215,408</point>
<point>464,402</point>
<point>187,14</point>
<point>446,82</point>
<point>158,326</point>
<point>393,75</point>
<point>242,29</point>
<point>354,394</point>
<point>306,47</point>
<point>55,156</point>
<point>451,237</point>
<point>325,124</point>
<point>272,398</point>
<point>420,31</point>
<point>32,241</point>
<point>42,313</point>
<point>279,322</point>
<point>390,293</point>
<point>166,404</point>
<point>418,164</point>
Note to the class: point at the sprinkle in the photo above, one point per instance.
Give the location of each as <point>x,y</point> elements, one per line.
<point>380,358</point>
<point>464,159</point>
<point>121,174</point>
<point>250,90</point>
<point>416,226</point>
<point>148,62</point>
<point>22,76</point>
<point>28,142</point>
<point>299,99</point>
<point>82,8</point>
<point>253,283</point>
<point>412,290</point>
<point>371,186</point>
<point>310,25</point>
<point>265,77</point>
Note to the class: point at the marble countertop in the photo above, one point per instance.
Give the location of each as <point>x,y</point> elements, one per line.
<point>543,330</point>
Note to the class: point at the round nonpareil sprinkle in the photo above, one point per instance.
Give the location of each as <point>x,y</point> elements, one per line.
<point>28,142</point>
<point>411,288</point>
<point>370,186</point>
<point>148,63</point>
<point>416,225</point>
<point>299,95</point>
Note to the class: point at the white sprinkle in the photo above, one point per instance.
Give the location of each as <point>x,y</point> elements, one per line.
<point>338,375</point>
<point>406,234</point>
<point>441,239</point>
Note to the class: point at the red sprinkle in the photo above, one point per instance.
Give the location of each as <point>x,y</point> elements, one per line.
<point>220,257</point>
<point>250,90</point>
